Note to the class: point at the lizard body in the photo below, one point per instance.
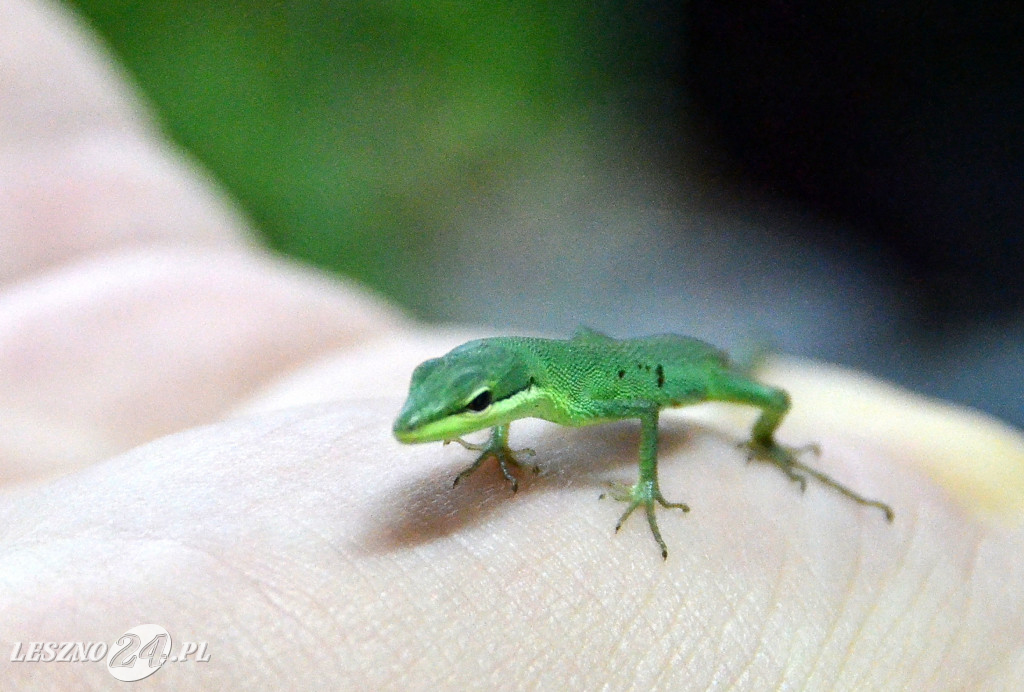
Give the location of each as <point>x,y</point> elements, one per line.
<point>588,379</point>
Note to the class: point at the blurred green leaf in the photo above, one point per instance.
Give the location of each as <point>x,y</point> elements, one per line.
<point>350,131</point>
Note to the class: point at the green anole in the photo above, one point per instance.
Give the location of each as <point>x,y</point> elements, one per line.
<point>591,378</point>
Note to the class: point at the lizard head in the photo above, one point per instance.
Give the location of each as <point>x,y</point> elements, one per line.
<point>478,385</point>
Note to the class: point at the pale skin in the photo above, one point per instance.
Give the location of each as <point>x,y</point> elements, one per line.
<point>306,545</point>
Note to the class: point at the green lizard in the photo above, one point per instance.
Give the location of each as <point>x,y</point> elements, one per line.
<point>591,378</point>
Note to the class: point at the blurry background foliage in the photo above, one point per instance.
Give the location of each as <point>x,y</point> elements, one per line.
<point>350,130</point>
<point>845,179</point>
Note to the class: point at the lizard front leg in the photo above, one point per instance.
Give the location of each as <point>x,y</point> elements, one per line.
<point>496,447</point>
<point>645,493</point>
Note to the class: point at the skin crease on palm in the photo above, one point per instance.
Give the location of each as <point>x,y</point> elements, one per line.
<point>197,434</point>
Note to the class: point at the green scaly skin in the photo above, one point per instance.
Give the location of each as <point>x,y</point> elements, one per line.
<point>592,378</point>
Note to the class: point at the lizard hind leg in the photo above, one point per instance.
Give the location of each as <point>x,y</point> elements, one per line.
<point>782,456</point>
<point>774,404</point>
<point>786,459</point>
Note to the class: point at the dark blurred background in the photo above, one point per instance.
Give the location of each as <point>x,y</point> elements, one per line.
<point>845,180</point>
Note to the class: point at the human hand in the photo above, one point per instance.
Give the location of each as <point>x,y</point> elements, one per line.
<point>305,546</point>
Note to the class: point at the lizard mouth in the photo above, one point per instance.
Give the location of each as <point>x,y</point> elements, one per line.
<point>407,424</point>
<point>412,426</point>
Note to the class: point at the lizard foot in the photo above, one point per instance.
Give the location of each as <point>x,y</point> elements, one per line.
<point>505,457</point>
<point>786,459</point>
<point>645,494</point>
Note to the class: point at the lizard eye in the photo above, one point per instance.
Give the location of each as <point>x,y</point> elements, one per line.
<point>480,402</point>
